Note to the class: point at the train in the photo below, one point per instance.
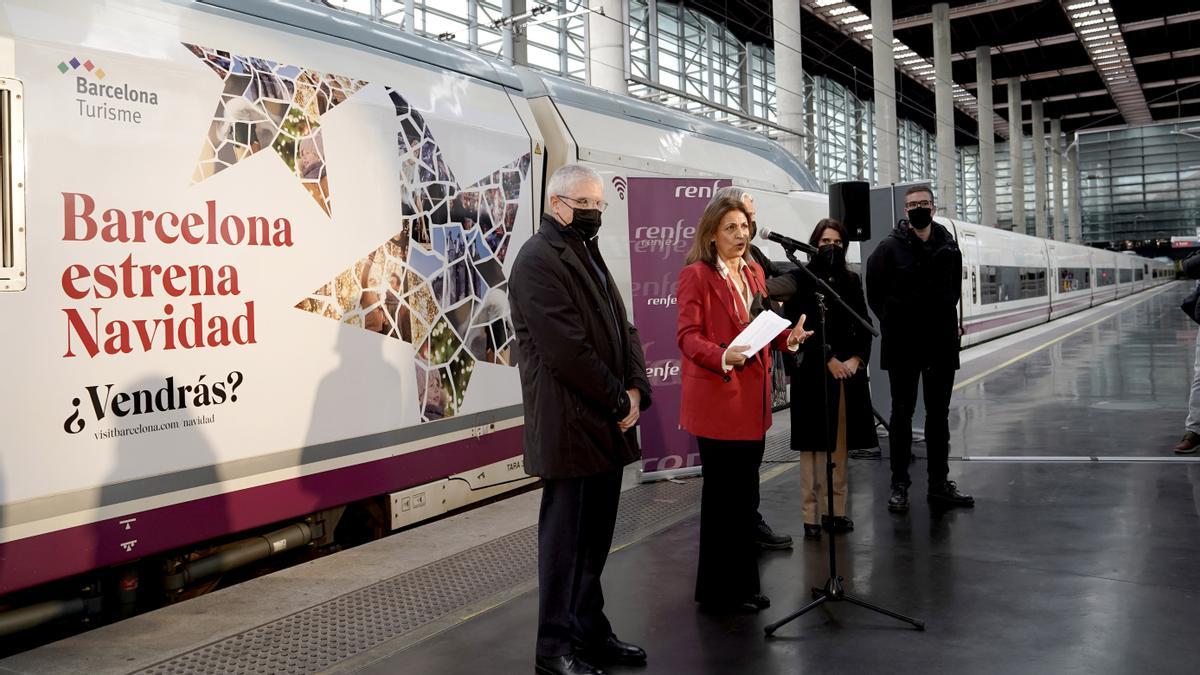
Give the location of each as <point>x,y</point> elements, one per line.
<point>254,272</point>
<point>1012,281</point>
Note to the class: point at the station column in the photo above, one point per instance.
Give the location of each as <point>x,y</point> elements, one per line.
<point>789,78</point>
<point>1016,154</point>
<point>606,47</point>
<point>884,70</point>
<point>1056,178</point>
<point>1039,169</point>
<point>987,135</point>
<point>947,161</point>
<point>1076,208</point>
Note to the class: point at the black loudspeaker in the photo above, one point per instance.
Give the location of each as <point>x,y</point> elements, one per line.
<point>850,204</point>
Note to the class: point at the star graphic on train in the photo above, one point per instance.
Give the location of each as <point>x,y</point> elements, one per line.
<point>266,104</point>
<point>438,283</point>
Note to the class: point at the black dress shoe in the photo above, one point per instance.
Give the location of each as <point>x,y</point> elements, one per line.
<point>812,531</point>
<point>760,601</point>
<point>898,502</point>
<point>766,538</point>
<point>948,494</point>
<point>569,664</point>
<point>837,524</point>
<point>866,453</point>
<point>613,652</point>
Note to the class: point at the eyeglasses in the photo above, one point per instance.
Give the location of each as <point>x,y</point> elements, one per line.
<point>585,203</point>
<point>923,204</point>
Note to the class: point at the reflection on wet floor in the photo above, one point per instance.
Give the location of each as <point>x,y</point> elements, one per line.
<point>1119,387</point>
<point>1061,568</point>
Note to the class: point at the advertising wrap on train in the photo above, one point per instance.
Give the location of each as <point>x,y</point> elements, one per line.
<point>250,255</point>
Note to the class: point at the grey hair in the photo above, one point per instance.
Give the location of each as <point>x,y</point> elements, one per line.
<point>567,177</point>
<point>733,192</point>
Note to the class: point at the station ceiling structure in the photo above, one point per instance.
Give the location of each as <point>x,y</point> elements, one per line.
<point>1095,63</point>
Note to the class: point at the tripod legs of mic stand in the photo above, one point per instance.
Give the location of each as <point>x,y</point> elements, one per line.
<point>833,592</point>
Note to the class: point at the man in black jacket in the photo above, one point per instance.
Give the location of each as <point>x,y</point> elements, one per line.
<point>583,383</point>
<point>914,281</point>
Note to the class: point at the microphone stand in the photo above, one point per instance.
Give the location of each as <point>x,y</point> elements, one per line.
<point>834,589</point>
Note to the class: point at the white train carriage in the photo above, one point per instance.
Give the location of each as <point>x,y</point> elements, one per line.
<point>1014,281</point>
<point>268,248</point>
<point>624,138</point>
<point>1104,272</point>
<point>1071,278</point>
<point>1125,274</point>
<point>1005,284</point>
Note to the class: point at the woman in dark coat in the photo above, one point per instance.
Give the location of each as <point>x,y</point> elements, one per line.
<point>843,367</point>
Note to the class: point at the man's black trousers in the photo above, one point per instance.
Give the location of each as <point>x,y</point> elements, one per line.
<point>939,384</point>
<point>575,531</point>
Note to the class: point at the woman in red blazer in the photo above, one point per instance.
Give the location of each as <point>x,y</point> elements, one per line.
<point>726,400</point>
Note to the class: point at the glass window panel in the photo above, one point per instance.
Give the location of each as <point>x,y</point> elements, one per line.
<point>543,58</point>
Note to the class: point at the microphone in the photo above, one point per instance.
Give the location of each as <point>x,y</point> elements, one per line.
<point>786,242</point>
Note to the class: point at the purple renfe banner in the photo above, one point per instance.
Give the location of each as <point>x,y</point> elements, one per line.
<point>663,214</point>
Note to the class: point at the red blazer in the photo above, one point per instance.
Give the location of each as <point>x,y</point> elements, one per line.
<point>715,404</point>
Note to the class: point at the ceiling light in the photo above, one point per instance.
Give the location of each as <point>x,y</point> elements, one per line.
<point>861,28</point>
<point>1081,15</point>
<point>855,19</point>
<point>826,3</point>
<point>843,10</point>
<point>1081,5</point>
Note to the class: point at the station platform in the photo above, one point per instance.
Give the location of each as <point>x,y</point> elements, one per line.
<point>1080,556</point>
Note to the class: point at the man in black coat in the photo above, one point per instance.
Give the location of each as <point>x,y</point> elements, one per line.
<point>583,383</point>
<point>914,281</point>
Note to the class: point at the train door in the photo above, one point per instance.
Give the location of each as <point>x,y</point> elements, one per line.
<point>969,305</point>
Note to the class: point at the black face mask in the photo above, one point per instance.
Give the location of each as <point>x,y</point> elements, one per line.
<point>832,257</point>
<point>586,222</point>
<point>920,217</point>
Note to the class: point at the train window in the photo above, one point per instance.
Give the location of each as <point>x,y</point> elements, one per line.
<point>1105,276</point>
<point>1126,276</point>
<point>1074,279</point>
<point>1005,284</point>
<point>1137,275</point>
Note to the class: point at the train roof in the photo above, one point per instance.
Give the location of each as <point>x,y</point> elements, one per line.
<point>604,102</point>
<point>361,31</point>
<point>345,26</point>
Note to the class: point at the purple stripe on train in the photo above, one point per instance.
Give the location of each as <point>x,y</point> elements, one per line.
<point>55,555</point>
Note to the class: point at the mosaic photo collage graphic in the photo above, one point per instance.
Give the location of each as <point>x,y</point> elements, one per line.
<point>439,282</point>
<point>271,105</point>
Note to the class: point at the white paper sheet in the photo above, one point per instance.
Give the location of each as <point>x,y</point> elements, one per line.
<point>766,327</point>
